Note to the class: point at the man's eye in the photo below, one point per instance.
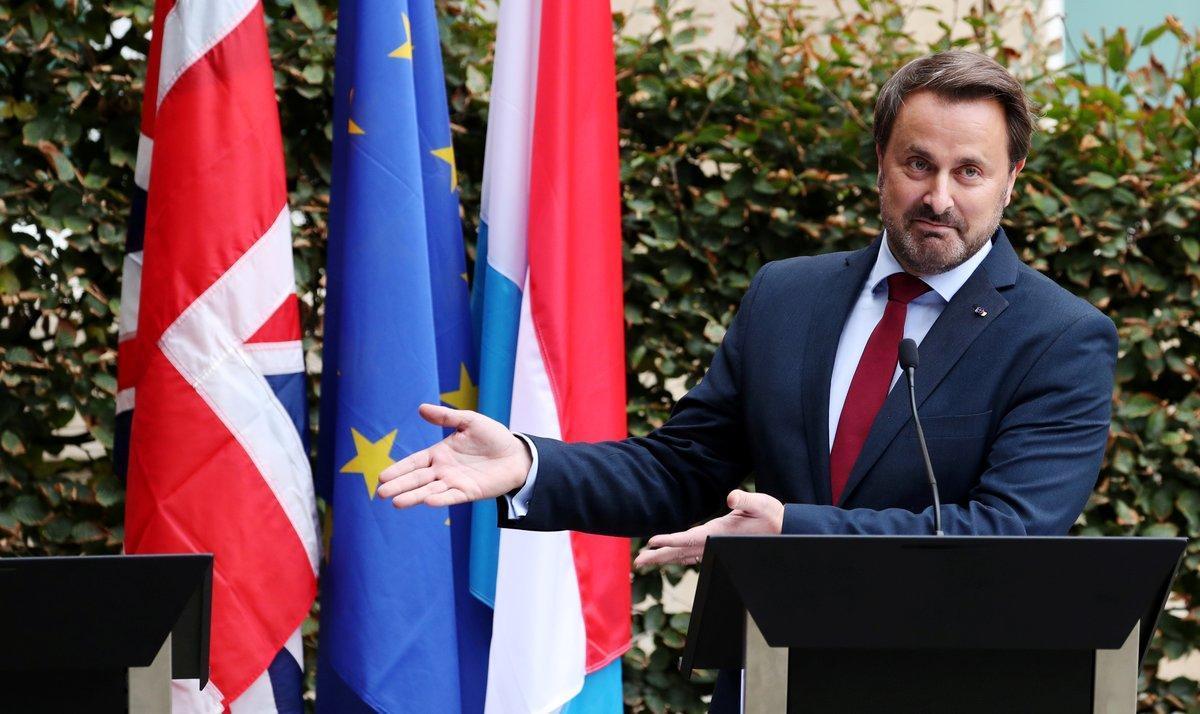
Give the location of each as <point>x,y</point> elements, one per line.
<point>971,172</point>
<point>918,164</point>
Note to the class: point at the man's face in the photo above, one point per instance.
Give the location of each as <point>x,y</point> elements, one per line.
<point>944,180</point>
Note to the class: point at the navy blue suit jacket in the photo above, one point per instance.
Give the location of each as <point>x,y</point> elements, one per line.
<point>1015,405</point>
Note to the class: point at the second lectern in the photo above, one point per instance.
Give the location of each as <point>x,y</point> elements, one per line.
<point>931,624</point>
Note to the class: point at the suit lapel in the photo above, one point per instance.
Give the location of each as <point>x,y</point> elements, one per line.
<point>840,291</point>
<point>952,333</point>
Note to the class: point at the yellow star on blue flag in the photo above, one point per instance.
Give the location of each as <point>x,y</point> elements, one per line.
<point>371,459</point>
<point>404,51</point>
<point>467,394</point>
<point>446,154</point>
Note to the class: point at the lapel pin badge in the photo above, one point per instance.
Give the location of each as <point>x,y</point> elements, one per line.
<point>980,311</point>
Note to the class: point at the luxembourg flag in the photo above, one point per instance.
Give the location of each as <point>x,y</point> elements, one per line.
<point>548,306</point>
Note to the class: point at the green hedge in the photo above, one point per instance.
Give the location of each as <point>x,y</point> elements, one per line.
<point>729,159</point>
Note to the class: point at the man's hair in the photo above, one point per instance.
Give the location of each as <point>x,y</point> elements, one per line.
<point>958,75</point>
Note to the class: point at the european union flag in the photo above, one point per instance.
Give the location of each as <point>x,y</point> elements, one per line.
<point>398,630</point>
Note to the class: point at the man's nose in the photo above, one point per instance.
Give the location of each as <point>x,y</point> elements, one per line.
<point>938,197</point>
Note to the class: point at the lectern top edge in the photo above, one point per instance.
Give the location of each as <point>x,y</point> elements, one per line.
<point>104,611</point>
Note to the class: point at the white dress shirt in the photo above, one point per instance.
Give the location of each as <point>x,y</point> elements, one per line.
<point>866,313</point>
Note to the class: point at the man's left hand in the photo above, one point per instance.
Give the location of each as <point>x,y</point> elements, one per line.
<point>752,514</point>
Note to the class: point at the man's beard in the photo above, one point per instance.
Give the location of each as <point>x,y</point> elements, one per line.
<point>931,255</point>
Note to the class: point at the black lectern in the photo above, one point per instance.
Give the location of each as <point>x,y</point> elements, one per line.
<point>931,624</point>
<point>73,630</point>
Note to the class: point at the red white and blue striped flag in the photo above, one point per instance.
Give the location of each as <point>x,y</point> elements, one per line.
<point>210,352</point>
<point>548,295</point>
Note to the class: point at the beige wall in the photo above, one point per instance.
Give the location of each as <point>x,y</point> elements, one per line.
<point>922,22</point>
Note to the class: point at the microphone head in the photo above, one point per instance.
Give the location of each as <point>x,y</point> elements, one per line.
<point>909,359</point>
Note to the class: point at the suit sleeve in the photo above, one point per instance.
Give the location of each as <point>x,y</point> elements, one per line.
<point>1042,465</point>
<point>675,476</point>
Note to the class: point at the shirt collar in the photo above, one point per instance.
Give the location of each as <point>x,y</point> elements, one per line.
<point>944,284</point>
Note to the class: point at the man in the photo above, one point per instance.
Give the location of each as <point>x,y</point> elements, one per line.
<point>1014,386</point>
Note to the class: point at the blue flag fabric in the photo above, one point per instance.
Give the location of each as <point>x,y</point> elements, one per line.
<point>399,631</point>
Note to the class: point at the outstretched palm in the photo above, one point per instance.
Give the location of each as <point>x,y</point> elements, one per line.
<point>752,514</point>
<point>481,459</point>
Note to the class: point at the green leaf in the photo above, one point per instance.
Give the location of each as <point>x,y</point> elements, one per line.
<point>672,639</point>
<point>38,27</point>
<point>676,275</point>
<point>1046,204</point>
<point>10,284</point>
<point>18,355</point>
<point>108,491</point>
<point>57,529</point>
<point>95,181</point>
<point>1191,248</point>
<point>8,251</point>
<point>1156,423</point>
<point>314,74</point>
<point>1126,515</point>
<point>1188,503</point>
<point>1150,37</point>
<point>1161,504</point>
<point>1174,220</point>
<point>1160,530</point>
<point>24,111</point>
<point>105,381</point>
<point>309,13</point>
<point>478,83</point>
<point>62,165</point>
<point>121,156</point>
<point>1122,461</point>
<point>87,532</point>
<point>1139,405</point>
<point>714,332</point>
<point>655,618</point>
<point>1118,51</point>
<point>102,434</point>
<point>38,130</point>
<point>11,443</point>
<point>1099,180</point>
<point>719,87</point>
<point>27,509</point>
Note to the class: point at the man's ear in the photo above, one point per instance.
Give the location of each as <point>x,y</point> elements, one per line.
<point>879,164</point>
<point>1012,180</point>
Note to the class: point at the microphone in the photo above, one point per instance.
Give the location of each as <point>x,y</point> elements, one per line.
<point>909,359</point>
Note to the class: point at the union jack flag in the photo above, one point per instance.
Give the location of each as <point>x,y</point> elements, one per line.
<point>210,351</point>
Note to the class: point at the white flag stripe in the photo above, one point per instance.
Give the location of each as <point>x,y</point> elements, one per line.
<point>276,357</point>
<point>131,293</point>
<point>295,647</point>
<point>141,169</point>
<point>125,399</point>
<point>188,698</point>
<point>253,288</point>
<point>505,205</point>
<point>191,29</point>
<point>539,614</point>
<point>259,698</point>
<point>206,345</point>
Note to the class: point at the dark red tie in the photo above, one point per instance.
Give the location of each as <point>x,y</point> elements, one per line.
<point>869,387</point>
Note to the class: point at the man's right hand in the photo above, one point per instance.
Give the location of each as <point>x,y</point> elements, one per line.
<point>481,459</point>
